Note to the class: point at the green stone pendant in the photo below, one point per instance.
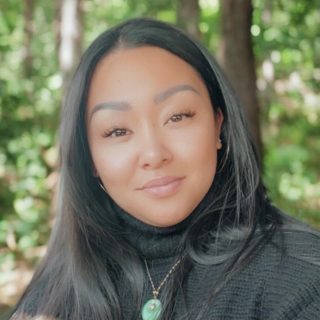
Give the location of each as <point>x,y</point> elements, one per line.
<point>151,309</point>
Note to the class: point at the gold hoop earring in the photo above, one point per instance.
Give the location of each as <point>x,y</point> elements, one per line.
<point>102,186</point>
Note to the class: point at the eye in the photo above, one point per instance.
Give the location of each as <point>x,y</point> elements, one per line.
<point>176,117</point>
<point>115,133</point>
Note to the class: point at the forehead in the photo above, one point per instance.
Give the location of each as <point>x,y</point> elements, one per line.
<point>128,73</point>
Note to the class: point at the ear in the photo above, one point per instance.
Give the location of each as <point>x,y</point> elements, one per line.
<point>218,121</point>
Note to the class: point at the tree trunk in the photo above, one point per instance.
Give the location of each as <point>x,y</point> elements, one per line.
<point>237,59</point>
<point>69,35</point>
<point>188,15</point>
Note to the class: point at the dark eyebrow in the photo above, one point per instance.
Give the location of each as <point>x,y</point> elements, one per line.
<point>160,97</point>
<point>114,105</point>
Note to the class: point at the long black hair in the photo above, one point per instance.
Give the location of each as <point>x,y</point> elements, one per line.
<point>77,279</point>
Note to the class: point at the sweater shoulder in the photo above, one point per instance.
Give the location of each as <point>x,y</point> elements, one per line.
<point>291,256</point>
<point>297,243</point>
<point>281,281</point>
<point>290,277</point>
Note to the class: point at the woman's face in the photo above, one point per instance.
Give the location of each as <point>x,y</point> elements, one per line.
<point>152,133</point>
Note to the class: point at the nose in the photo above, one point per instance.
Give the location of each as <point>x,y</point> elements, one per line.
<point>154,152</point>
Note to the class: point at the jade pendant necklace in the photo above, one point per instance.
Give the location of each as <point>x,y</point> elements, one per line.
<point>153,307</point>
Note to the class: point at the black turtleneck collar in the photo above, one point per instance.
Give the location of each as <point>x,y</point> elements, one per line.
<point>156,242</point>
<point>152,242</point>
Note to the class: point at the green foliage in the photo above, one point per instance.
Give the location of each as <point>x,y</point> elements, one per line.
<point>287,46</point>
<point>29,103</point>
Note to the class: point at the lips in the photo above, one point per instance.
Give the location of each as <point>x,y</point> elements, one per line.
<point>162,187</point>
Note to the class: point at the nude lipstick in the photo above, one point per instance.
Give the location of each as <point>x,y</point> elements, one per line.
<point>162,187</point>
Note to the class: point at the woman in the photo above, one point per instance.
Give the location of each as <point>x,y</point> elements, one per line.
<point>161,211</point>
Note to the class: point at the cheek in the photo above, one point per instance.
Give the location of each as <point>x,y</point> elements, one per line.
<point>113,165</point>
<point>198,146</point>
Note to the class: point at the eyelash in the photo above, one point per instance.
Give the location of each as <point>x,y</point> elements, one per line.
<point>120,132</point>
<point>115,133</point>
<point>186,114</point>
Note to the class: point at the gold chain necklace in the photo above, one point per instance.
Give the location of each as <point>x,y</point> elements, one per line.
<point>153,307</point>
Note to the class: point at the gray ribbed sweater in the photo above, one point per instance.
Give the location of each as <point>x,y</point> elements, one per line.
<point>282,282</point>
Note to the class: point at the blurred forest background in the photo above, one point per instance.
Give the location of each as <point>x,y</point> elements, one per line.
<point>269,49</point>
